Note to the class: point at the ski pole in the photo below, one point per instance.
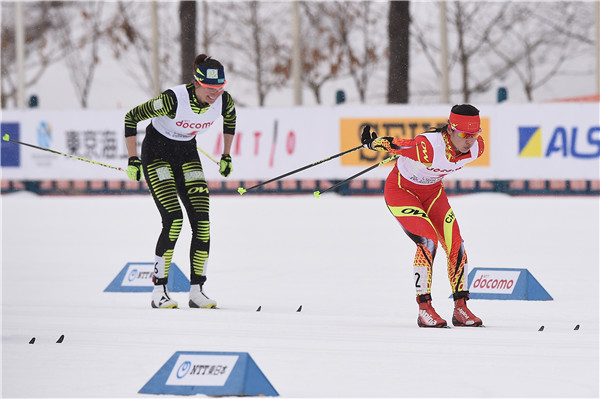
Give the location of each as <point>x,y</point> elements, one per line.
<point>207,154</point>
<point>6,137</point>
<point>242,190</point>
<point>317,194</point>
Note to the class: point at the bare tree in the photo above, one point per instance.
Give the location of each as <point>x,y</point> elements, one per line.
<point>41,50</point>
<point>356,24</point>
<point>473,46</point>
<point>262,44</point>
<point>533,41</point>
<point>542,38</point>
<point>322,51</point>
<point>80,63</point>
<point>211,26</point>
<point>469,46</point>
<point>130,40</point>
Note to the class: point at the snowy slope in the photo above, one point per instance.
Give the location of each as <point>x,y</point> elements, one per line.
<point>345,260</point>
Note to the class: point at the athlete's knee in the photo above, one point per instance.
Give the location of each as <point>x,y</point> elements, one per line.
<point>427,247</point>
<point>172,225</point>
<point>198,203</point>
<point>459,257</point>
<point>201,227</point>
<point>428,244</point>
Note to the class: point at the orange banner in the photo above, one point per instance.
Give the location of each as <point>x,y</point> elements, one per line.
<point>408,128</point>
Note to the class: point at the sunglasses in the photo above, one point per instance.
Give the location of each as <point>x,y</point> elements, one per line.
<point>467,135</point>
<point>212,89</point>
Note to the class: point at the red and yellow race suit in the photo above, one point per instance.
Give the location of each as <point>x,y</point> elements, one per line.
<point>415,195</point>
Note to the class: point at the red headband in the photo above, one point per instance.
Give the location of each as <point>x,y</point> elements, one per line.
<point>466,123</point>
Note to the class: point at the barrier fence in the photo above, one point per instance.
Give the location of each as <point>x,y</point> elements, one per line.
<point>287,187</point>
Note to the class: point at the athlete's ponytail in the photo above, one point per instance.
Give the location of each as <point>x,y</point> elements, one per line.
<point>205,61</point>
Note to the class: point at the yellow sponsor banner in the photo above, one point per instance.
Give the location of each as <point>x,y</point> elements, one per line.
<point>406,128</point>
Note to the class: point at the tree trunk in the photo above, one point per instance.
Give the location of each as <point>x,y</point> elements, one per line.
<point>187,21</point>
<point>398,35</point>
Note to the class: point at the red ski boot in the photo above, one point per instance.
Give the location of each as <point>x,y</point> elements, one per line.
<point>462,316</point>
<point>427,314</point>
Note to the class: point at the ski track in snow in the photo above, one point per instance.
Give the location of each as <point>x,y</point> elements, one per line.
<point>345,260</point>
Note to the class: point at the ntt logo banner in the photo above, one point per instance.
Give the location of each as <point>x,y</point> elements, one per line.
<point>137,277</point>
<point>206,370</point>
<point>210,373</point>
<point>504,283</point>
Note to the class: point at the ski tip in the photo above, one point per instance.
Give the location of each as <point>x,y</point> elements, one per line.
<point>541,328</point>
<point>259,308</point>
<point>576,327</point>
<point>60,339</point>
<point>32,341</point>
<point>241,190</point>
<point>299,309</point>
<point>317,194</point>
<point>6,137</point>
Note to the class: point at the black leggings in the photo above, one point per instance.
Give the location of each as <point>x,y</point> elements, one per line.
<point>173,169</point>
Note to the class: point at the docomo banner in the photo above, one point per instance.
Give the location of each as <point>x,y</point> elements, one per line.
<point>494,281</point>
<point>505,284</point>
<point>538,141</point>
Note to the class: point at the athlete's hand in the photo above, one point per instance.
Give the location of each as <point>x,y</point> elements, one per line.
<point>134,168</point>
<point>225,165</point>
<point>382,144</point>
<point>367,137</point>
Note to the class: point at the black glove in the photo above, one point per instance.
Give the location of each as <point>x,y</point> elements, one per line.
<point>225,165</point>
<point>134,168</point>
<point>367,137</point>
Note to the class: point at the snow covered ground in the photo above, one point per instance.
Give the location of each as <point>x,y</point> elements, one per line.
<point>344,259</point>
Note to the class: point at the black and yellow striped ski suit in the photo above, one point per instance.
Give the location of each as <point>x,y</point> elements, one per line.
<point>173,172</point>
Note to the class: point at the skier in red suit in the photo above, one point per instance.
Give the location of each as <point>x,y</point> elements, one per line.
<point>415,196</point>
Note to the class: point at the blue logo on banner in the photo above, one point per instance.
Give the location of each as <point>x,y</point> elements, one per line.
<point>10,154</point>
<point>210,373</point>
<point>137,277</point>
<point>504,283</point>
<point>44,134</point>
<point>575,142</point>
<point>184,369</point>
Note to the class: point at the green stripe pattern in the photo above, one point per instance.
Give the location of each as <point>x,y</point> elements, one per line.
<point>168,256</point>
<point>164,104</point>
<point>197,192</point>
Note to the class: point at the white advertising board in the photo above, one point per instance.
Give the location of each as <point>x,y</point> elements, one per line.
<point>530,141</point>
